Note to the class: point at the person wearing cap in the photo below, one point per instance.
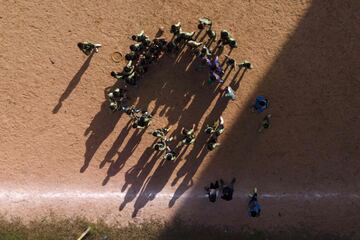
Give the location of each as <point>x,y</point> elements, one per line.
<point>88,48</point>
<point>254,206</point>
<point>261,103</point>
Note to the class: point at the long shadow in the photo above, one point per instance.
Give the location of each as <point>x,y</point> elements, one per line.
<point>73,83</point>
<point>313,142</point>
<point>137,175</point>
<point>116,145</point>
<point>155,183</point>
<point>128,150</point>
<point>101,126</point>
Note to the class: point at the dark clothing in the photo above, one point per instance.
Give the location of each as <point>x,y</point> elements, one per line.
<point>227,190</point>
<point>254,206</point>
<point>212,191</point>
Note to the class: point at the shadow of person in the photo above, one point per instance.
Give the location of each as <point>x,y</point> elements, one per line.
<point>137,175</point>
<point>128,150</point>
<point>189,174</point>
<point>100,127</point>
<point>154,184</point>
<point>73,83</point>
<point>116,145</point>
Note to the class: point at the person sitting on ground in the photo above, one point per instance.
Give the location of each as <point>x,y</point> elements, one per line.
<point>227,190</point>
<point>265,123</point>
<point>88,48</point>
<point>261,103</point>
<point>213,191</point>
<point>254,206</point>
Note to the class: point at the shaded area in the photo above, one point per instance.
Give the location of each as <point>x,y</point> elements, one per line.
<point>313,144</point>
<point>73,83</point>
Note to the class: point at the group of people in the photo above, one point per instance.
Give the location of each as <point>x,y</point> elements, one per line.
<point>227,191</point>
<point>144,52</point>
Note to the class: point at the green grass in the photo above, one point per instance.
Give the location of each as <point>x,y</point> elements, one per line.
<point>56,228</point>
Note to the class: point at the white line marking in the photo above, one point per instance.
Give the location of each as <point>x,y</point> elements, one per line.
<point>21,195</point>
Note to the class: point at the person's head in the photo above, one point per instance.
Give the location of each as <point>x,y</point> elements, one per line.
<point>134,125</point>
<point>231,61</point>
<point>233,43</point>
<point>111,95</point>
<point>168,156</point>
<point>133,47</point>
<point>134,37</point>
<point>113,73</point>
<point>113,106</point>
<point>80,44</point>
<point>224,34</point>
<point>208,130</point>
<point>157,147</point>
<point>201,26</point>
<point>262,103</point>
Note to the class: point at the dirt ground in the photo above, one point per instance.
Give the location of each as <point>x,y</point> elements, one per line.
<point>63,151</point>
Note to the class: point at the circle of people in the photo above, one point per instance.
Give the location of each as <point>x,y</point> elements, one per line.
<point>145,52</point>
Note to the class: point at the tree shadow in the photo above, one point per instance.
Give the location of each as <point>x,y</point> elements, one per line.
<point>73,83</point>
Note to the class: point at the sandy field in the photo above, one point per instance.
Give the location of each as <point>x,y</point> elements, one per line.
<point>63,151</point>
